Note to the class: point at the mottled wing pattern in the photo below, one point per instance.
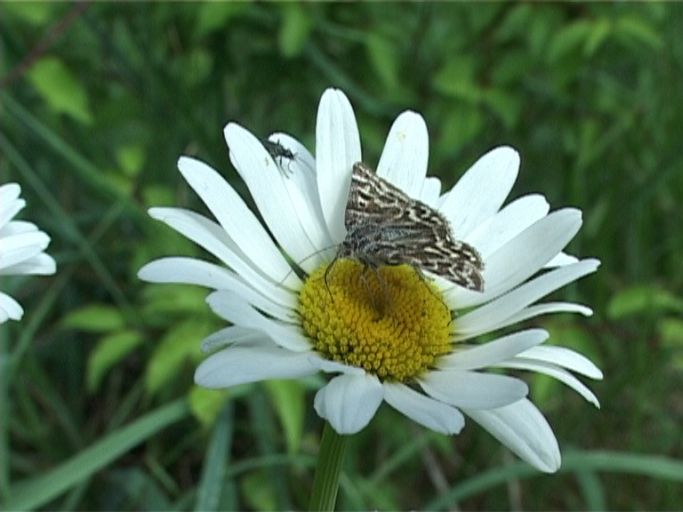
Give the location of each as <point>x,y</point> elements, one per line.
<point>387,227</point>
<point>373,199</point>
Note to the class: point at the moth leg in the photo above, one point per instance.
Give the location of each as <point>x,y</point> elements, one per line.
<point>424,278</point>
<point>327,273</point>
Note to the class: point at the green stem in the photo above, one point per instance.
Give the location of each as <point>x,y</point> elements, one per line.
<point>330,459</point>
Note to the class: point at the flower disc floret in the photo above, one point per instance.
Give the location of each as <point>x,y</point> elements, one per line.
<point>389,321</point>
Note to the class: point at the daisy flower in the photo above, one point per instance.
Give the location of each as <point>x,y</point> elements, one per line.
<point>22,247</point>
<point>390,334</point>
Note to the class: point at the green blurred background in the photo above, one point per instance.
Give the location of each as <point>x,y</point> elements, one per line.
<point>97,101</point>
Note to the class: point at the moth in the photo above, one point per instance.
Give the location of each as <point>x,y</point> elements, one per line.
<point>386,227</point>
<point>278,152</point>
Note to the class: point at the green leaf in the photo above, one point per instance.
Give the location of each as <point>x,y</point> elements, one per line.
<point>592,489</point>
<point>109,351</point>
<point>216,461</point>
<point>60,89</point>
<point>457,79</point>
<point>167,299</point>
<point>289,400</point>
<point>40,490</point>
<point>140,489</point>
<point>199,66</point>
<point>671,332</point>
<point>384,59</point>
<point>206,404</point>
<point>258,491</point>
<point>178,347</point>
<point>569,40</point>
<point>600,30</point>
<point>634,28</point>
<point>656,467</point>
<point>32,13</point>
<point>507,107</point>
<point>295,29</point>
<point>214,16</point>
<point>515,23</point>
<point>643,299</point>
<point>95,318</point>
<point>463,123</point>
<point>131,159</point>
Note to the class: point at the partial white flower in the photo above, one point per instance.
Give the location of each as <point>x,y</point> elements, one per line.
<point>388,335</point>
<point>22,247</point>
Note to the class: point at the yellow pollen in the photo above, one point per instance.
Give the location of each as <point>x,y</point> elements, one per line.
<point>390,321</point>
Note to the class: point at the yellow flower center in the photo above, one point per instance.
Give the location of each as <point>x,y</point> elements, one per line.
<point>390,321</point>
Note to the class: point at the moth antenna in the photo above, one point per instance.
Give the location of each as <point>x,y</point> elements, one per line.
<point>423,277</point>
<point>327,272</point>
<point>297,264</point>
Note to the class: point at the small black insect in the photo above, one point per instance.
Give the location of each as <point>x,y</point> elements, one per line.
<point>279,152</point>
<point>386,227</point>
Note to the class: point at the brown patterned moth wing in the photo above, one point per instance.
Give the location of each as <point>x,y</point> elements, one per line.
<point>453,260</point>
<point>387,227</point>
<point>372,198</point>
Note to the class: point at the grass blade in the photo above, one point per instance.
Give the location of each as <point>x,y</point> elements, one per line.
<point>38,491</point>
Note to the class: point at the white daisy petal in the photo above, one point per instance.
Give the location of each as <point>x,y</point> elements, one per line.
<point>481,356</point>
<point>8,192</point>
<point>234,309</point>
<point>406,151</point>
<point>337,148</point>
<point>9,308</point>
<point>561,260</point>
<point>525,314</point>
<point>240,224</point>
<point>564,357</point>
<point>303,159</point>
<point>519,363</point>
<point>426,411</point>
<point>302,187</point>
<point>233,335</point>
<point>17,227</point>
<point>210,236</point>
<point>21,248</point>
<point>431,189</point>
<point>521,257</point>
<point>268,186</point>
<point>203,273</point>
<point>524,430</point>
<point>496,312</point>
<point>329,366</point>
<point>240,365</point>
<point>471,389</point>
<point>17,248</point>
<point>39,264</point>
<point>10,204</point>
<point>9,211</point>
<point>509,222</point>
<point>481,191</point>
<point>348,402</point>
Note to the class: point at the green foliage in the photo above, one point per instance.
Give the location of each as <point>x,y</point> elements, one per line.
<point>206,404</point>
<point>177,347</point>
<point>60,89</point>
<point>644,299</point>
<point>295,29</point>
<point>96,107</point>
<point>95,318</point>
<point>289,401</point>
<point>110,350</point>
